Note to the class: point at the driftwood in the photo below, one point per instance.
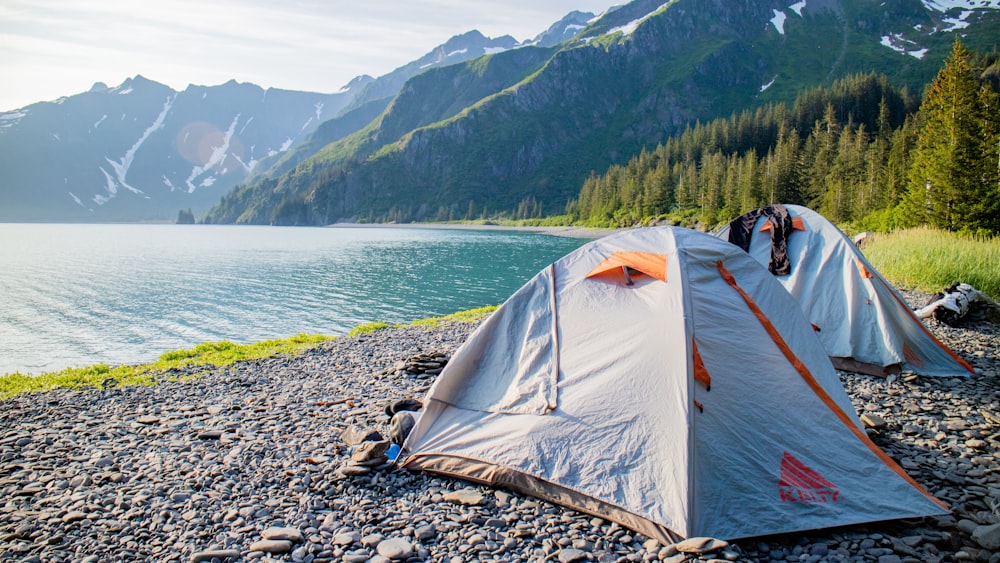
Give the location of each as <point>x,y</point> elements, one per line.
<point>961,303</point>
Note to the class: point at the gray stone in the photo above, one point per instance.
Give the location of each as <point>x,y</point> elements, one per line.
<point>369,450</point>
<point>470,497</point>
<point>271,546</point>
<point>967,526</point>
<point>572,556</point>
<point>278,533</point>
<point>700,545</point>
<point>105,461</point>
<point>354,470</point>
<point>987,536</point>
<point>875,421</point>
<point>395,548</point>
<point>209,554</point>
<point>347,538</point>
<point>74,516</point>
<point>425,532</point>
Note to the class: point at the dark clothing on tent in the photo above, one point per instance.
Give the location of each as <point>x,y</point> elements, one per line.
<point>741,229</point>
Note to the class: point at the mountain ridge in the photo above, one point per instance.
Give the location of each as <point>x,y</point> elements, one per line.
<point>627,81</point>
<point>143,151</point>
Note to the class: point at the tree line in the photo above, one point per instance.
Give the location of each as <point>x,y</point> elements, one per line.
<point>860,151</point>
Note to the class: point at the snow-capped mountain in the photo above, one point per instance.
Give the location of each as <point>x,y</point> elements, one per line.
<point>142,151</point>
<point>527,126</point>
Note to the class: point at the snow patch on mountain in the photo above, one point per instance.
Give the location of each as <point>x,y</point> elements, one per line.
<point>11,118</point>
<point>945,5</point>
<point>797,7</point>
<point>768,85</point>
<point>100,121</point>
<point>121,166</point>
<point>77,200</point>
<point>216,159</point>
<point>778,21</point>
<point>631,26</point>
<point>249,121</point>
<point>964,9</point>
<point>957,23</point>
<point>900,44</point>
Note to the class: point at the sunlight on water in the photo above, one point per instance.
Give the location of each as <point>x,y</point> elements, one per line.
<point>84,294</point>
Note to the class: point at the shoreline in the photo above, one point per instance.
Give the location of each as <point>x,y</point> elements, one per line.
<point>565,231</point>
<point>192,470</point>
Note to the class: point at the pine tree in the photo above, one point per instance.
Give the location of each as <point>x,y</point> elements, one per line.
<point>946,179</point>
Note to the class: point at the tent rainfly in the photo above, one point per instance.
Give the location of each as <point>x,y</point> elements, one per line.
<point>861,319</point>
<point>662,379</point>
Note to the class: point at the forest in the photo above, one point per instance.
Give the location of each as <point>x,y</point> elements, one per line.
<point>861,152</point>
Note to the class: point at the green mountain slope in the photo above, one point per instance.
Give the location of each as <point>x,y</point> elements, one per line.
<point>532,124</point>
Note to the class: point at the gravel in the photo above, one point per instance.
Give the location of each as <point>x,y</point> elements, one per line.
<point>246,463</point>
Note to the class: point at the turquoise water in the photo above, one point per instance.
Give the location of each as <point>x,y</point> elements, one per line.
<point>74,295</point>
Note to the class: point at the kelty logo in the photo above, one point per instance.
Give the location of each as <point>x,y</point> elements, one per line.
<point>799,483</point>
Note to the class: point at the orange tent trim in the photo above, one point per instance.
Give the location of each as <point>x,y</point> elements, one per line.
<point>700,372</point>
<point>807,376</point>
<point>862,269</point>
<point>653,265</point>
<point>797,225</point>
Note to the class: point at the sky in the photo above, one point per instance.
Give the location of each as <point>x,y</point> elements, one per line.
<point>55,48</point>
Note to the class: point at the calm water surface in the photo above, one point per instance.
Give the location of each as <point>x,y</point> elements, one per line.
<point>73,295</point>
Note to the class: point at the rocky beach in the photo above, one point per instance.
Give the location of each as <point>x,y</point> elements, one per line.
<point>250,463</point>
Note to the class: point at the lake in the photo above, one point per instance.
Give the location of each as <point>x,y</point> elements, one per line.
<point>75,295</point>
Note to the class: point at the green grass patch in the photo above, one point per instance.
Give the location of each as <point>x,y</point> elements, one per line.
<point>208,354</point>
<point>470,316</point>
<point>930,260</point>
<point>214,354</point>
<point>370,327</point>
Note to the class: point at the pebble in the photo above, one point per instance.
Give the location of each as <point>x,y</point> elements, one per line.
<point>572,556</point>
<point>271,546</point>
<point>395,548</point>
<point>210,554</point>
<point>470,497</point>
<point>291,534</point>
<point>124,471</point>
<point>700,545</point>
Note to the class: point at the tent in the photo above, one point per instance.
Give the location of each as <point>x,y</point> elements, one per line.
<point>861,319</point>
<point>662,379</point>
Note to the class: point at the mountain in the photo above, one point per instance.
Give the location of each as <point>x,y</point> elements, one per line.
<point>527,126</point>
<point>375,94</point>
<point>142,151</point>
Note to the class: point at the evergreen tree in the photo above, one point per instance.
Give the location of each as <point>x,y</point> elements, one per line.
<point>946,180</point>
<point>185,217</point>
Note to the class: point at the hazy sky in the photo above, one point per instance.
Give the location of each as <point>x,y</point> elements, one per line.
<point>54,48</point>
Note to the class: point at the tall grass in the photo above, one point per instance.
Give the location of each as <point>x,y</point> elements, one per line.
<point>929,260</point>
